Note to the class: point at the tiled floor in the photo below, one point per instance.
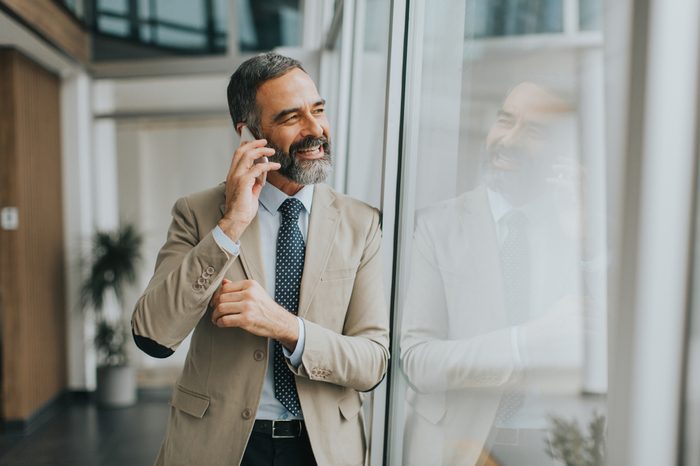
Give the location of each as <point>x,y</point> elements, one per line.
<point>80,434</point>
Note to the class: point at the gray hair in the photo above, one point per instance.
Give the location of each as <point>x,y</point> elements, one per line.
<point>245,81</point>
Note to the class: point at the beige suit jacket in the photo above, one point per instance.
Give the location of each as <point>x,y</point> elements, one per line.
<point>457,348</point>
<point>454,340</point>
<point>342,304</point>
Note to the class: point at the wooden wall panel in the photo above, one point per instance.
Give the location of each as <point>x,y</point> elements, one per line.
<point>55,24</point>
<point>32,309</point>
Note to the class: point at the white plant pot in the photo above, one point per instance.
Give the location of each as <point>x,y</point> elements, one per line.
<point>116,386</point>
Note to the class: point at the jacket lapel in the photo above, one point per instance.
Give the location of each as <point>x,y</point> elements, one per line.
<point>477,218</point>
<point>250,254</point>
<point>323,224</point>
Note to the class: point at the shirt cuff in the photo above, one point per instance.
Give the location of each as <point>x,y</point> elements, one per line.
<point>295,357</point>
<point>225,242</point>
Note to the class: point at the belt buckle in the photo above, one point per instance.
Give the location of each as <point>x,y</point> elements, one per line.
<point>274,435</point>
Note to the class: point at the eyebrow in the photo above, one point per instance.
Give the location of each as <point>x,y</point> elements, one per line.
<point>280,115</point>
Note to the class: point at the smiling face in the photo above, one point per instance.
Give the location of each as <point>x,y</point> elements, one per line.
<point>522,144</point>
<point>293,120</point>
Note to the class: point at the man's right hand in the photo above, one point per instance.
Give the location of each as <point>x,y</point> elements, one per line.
<point>243,187</point>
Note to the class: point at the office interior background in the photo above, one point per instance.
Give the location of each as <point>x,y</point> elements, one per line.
<point>112,109</point>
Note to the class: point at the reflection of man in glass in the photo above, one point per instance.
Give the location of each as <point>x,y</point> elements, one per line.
<point>492,315</point>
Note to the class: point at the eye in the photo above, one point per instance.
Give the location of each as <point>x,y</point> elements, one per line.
<point>291,119</point>
<point>319,111</point>
<point>504,120</point>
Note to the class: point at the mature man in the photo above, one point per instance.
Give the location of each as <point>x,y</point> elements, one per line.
<point>492,316</point>
<point>282,283</point>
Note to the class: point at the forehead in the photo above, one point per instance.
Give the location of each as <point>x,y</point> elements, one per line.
<point>294,89</point>
<point>528,100</point>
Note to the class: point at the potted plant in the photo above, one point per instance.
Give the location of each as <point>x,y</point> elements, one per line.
<point>572,446</point>
<point>111,267</point>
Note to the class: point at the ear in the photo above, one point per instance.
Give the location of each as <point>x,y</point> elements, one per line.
<point>238,127</point>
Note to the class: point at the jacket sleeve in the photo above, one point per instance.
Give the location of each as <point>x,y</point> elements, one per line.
<point>358,357</point>
<point>432,360</point>
<point>187,273</point>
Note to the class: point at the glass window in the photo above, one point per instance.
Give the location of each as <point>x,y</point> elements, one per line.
<point>266,24</point>
<point>112,6</point>
<point>498,18</point>
<point>160,28</point>
<point>182,12</point>
<point>113,26</point>
<point>499,350</point>
<point>366,133</point>
<point>177,38</point>
<point>590,14</point>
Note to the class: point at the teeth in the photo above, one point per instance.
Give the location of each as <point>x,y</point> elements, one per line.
<point>313,149</point>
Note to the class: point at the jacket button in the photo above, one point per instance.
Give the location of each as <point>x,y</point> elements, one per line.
<point>258,355</point>
<point>210,270</point>
<point>201,281</point>
<point>247,413</point>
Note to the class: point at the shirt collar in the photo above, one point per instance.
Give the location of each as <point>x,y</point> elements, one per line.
<point>499,205</point>
<point>272,198</point>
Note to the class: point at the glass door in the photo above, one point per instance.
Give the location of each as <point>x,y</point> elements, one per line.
<point>499,346</point>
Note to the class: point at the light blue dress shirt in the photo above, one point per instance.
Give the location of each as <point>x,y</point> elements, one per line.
<point>270,200</point>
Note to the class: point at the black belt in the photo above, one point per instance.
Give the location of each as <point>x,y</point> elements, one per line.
<point>279,429</point>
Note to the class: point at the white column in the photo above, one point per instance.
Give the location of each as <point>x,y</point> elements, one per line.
<point>104,188</point>
<point>105,191</point>
<point>661,151</point>
<point>591,113</point>
<point>77,222</point>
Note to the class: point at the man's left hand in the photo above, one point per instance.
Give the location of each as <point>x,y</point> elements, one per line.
<point>246,305</point>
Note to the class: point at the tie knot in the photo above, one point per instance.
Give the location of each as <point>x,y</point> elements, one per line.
<point>291,208</point>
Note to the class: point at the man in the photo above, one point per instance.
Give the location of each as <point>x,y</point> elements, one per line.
<point>492,314</point>
<point>282,283</point>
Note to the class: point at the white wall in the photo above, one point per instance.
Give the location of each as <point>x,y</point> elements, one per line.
<point>158,162</point>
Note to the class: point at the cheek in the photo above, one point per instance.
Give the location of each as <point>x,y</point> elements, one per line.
<point>282,139</point>
<point>493,137</point>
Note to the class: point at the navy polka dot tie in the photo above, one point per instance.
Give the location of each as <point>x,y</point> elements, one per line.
<point>288,269</point>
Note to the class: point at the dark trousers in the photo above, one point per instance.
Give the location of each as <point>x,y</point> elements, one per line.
<point>263,450</point>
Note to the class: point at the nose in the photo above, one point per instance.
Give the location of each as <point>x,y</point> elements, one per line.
<point>312,127</point>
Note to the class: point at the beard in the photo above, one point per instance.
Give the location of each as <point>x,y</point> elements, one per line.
<point>518,179</point>
<point>303,171</point>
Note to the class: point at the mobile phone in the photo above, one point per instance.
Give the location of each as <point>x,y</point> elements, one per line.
<point>247,136</point>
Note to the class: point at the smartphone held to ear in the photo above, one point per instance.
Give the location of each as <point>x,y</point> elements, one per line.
<point>247,136</point>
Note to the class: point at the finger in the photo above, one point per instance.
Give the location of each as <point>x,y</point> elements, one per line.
<point>230,320</point>
<point>228,286</point>
<point>239,285</point>
<point>224,309</point>
<point>248,158</point>
<point>254,143</point>
<point>260,168</point>
<point>233,296</point>
<point>245,147</point>
<point>242,149</point>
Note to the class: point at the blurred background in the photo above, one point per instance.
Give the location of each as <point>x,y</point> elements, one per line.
<point>445,115</point>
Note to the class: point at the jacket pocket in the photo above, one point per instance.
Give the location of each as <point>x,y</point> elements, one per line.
<point>350,406</point>
<point>339,274</point>
<point>190,402</point>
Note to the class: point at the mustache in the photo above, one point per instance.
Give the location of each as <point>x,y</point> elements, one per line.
<point>308,142</point>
